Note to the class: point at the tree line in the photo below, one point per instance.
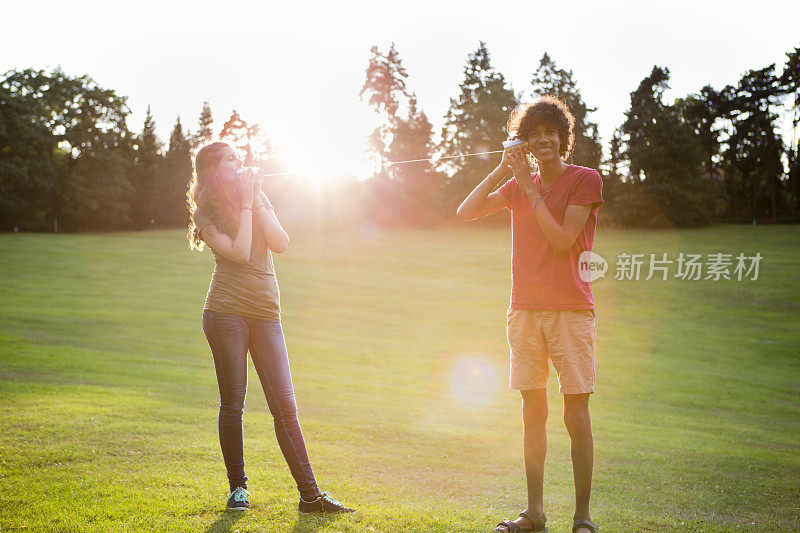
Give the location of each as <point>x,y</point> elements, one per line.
<point>69,162</point>
<point>713,155</point>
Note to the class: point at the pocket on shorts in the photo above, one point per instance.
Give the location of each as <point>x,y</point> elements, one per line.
<point>516,327</point>
<point>509,321</point>
<point>585,312</point>
<point>583,325</point>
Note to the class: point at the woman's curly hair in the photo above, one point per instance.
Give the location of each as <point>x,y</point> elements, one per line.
<point>547,111</point>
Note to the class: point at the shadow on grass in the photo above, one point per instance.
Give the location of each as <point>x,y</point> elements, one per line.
<point>308,523</point>
<point>224,523</point>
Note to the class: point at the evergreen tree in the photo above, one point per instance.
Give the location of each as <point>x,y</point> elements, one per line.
<point>411,139</point>
<point>385,84</point>
<point>475,122</point>
<point>665,156</point>
<point>646,107</point>
<point>790,82</point>
<point>205,123</point>
<point>404,193</point>
<point>549,79</point>
<point>177,173</point>
<point>614,163</point>
<point>417,182</point>
<point>621,194</point>
<point>245,138</point>
<point>702,112</point>
<point>385,91</point>
<point>754,149</point>
<point>147,174</point>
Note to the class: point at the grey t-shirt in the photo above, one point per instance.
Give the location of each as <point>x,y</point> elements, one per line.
<point>250,289</point>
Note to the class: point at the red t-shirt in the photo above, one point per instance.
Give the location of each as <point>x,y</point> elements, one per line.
<point>541,279</point>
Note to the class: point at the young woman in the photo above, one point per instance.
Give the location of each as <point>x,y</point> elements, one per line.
<point>242,313</point>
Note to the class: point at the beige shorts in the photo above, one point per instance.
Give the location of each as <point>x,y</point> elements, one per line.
<point>565,337</point>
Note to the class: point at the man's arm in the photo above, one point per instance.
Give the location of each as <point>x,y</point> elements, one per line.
<point>482,201</point>
<point>561,237</point>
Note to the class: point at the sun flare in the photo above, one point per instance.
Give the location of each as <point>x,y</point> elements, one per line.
<point>326,165</point>
<point>327,148</point>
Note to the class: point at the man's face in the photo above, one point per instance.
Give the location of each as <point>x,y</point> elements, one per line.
<point>544,143</point>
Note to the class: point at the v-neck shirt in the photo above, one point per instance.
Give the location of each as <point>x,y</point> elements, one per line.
<point>541,279</point>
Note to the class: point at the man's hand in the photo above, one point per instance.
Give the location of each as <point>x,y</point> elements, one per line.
<point>518,163</point>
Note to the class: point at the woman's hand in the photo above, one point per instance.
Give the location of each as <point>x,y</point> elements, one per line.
<point>258,181</point>
<point>260,199</point>
<point>248,187</point>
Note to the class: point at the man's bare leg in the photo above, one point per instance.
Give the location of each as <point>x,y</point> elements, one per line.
<point>579,426</point>
<point>534,418</point>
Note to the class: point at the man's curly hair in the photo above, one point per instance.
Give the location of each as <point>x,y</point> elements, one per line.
<point>547,111</point>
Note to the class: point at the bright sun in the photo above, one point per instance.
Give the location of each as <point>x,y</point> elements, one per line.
<point>325,154</point>
<point>324,166</point>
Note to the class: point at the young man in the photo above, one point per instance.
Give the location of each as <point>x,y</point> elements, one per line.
<point>551,317</point>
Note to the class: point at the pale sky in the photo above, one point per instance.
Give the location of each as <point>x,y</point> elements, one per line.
<point>296,68</point>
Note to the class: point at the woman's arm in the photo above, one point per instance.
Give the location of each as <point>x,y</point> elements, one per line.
<point>482,201</point>
<point>237,249</point>
<point>277,238</point>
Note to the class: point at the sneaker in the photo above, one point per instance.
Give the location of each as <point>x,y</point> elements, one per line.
<point>239,500</point>
<point>325,503</point>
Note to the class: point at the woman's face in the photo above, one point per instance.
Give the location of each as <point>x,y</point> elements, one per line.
<point>229,163</point>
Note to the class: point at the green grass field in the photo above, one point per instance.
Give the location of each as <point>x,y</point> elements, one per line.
<point>398,351</point>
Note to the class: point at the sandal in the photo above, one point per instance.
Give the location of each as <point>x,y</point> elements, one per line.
<point>512,527</point>
<point>579,523</point>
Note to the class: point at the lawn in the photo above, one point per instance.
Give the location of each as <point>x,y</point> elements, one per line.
<point>398,352</point>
